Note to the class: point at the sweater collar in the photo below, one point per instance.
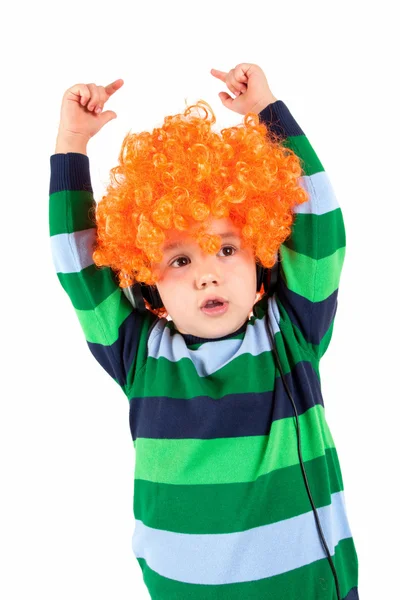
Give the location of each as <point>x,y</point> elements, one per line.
<point>194,339</point>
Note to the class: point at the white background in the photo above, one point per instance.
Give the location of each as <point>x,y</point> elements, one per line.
<point>67,458</point>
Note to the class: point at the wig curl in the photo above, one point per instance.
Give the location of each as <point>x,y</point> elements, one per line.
<point>181,174</point>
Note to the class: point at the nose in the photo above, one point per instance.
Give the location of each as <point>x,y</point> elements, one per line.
<point>208,272</point>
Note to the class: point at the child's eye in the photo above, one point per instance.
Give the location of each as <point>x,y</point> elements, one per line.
<point>186,258</point>
<point>179,258</point>
<point>231,247</point>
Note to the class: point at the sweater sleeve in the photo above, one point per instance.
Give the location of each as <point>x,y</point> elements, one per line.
<point>115,332</point>
<point>311,258</point>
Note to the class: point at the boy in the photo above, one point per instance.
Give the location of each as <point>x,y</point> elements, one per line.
<point>220,501</point>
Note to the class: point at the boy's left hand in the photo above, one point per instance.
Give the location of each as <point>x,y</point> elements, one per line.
<point>250,87</point>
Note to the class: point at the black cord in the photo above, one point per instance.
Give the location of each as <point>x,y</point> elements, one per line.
<point>271,336</point>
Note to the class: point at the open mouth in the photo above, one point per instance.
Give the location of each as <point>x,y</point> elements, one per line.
<point>214,307</point>
<point>213,303</point>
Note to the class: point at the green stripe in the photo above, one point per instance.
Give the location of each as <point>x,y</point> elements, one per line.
<point>219,508</point>
<point>331,234</point>
<point>305,583</point>
<point>71,211</point>
<point>303,149</point>
<point>300,273</point>
<point>191,461</point>
<point>101,307</point>
<point>300,251</point>
<point>90,287</point>
<point>101,325</point>
<point>260,373</point>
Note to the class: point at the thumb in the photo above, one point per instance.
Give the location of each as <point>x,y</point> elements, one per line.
<point>106,116</point>
<point>225,99</point>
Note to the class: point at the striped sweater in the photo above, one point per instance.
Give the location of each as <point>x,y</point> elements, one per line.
<point>220,505</point>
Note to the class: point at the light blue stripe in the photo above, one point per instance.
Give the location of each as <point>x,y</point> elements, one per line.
<point>72,252</point>
<point>212,356</point>
<point>250,555</point>
<point>322,198</point>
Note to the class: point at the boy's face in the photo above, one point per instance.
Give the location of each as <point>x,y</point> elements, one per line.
<point>184,284</point>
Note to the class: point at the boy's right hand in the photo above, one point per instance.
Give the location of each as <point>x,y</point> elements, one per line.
<point>78,117</point>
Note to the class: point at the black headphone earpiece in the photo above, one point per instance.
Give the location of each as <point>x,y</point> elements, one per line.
<point>139,292</point>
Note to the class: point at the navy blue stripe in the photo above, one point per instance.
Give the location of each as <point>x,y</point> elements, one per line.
<point>279,120</point>
<point>70,172</point>
<point>125,348</point>
<point>233,415</point>
<point>105,356</point>
<point>352,595</point>
<point>313,319</point>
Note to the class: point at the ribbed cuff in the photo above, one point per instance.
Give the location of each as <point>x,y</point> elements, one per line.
<point>279,120</point>
<point>70,172</point>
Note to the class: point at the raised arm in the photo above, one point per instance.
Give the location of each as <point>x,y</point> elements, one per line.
<point>311,258</point>
<point>115,333</point>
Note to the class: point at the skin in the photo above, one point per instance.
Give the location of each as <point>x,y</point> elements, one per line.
<point>183,284</point>
<point>249,85</point>
<point>82,114</point>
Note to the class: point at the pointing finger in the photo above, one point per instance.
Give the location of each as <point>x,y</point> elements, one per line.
<point>111,88</point>
<point>219,74</point>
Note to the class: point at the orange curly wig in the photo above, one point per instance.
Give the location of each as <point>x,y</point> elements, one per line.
<point>183,173</point>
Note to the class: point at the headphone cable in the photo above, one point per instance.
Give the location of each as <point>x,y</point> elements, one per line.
<point>271,336</point>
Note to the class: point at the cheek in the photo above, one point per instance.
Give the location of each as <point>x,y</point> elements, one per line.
<point>167,288</point>
<point>245,273</point>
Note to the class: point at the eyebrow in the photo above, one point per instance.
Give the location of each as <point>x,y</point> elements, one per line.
<point>180,244</point>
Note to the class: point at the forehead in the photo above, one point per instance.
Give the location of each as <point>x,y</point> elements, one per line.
<point>223,227</point>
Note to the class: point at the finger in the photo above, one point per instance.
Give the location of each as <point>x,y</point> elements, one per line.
<point>111,88</point>
<point>81,91</point>
<point>240,88</point>
<point>233,86</point>
<point>240,72</point>
<point>104,95</point>
<point>107,116</point>
<point>240,78</point>
<point>94,96</point>
<point>226,99</point>
<point>219,74</point>
<point>237,86</point>
<point>85,95</point>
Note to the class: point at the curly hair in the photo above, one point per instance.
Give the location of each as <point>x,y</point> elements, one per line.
<point>181,174</point>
